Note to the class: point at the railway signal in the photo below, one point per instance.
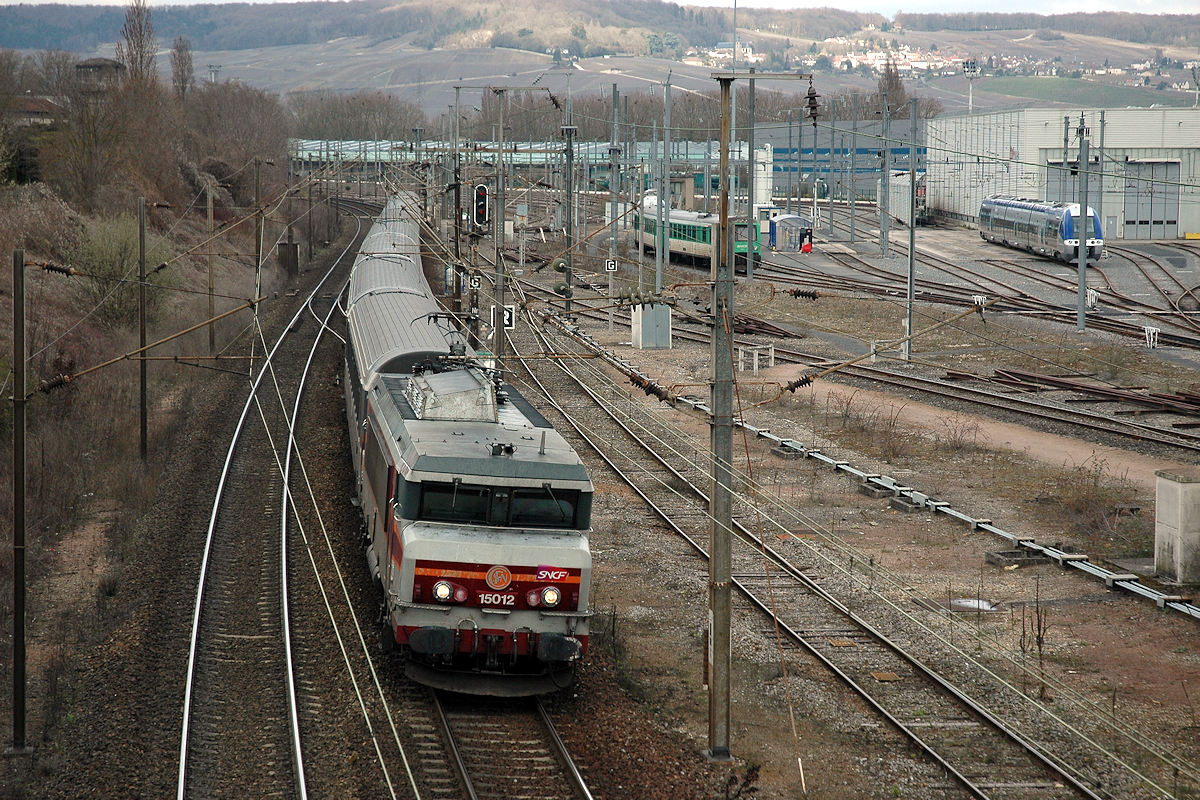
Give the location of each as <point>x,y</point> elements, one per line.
<point>482,209</point>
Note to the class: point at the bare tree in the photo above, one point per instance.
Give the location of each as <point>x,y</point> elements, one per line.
<point>51,72</point>
<point>890,81</point>
<point>83,151</point>
<point>137,49</point>
<point>182,75</point>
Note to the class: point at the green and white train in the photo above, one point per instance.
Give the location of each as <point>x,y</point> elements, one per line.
<point>691,234</point>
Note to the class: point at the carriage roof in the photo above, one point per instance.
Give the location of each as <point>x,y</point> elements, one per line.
<point>389,302</point>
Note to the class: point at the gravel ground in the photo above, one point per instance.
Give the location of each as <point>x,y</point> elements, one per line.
<point>637,717</point>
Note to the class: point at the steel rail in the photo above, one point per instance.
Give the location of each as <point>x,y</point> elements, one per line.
<point>1123,580</point>
<point>564,755</point>
<point>747,537</point>
<point>1085,419</point>
<point>298,765</point>
<point>452,744</point>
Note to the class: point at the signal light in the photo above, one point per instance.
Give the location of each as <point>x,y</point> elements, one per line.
<point>482,209</point>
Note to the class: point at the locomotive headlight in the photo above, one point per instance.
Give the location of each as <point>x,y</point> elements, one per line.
<point>551,596</point>
<point>442,591</point>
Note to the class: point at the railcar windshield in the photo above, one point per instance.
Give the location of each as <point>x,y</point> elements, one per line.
<point>502,506</point>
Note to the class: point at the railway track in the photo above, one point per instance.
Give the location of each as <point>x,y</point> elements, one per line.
<point>988,737</point>
<point>1183,331</point>
<point>508,748</point>
<point>1023,404</point>
<point>240,723</point>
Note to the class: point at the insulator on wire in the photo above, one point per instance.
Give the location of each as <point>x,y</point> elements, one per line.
<point>48,267</point>
<point>808,294</point>
<point>56,382</point>
<point>649,387</point>
<point>799,383</point>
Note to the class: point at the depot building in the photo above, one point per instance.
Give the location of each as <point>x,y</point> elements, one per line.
<point>1143,169</point>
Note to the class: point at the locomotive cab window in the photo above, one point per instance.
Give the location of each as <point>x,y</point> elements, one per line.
<point>543,508</point>
<point>454,502</point>
<point>502,506</point>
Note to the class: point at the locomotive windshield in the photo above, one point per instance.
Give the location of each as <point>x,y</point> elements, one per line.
<point>514,507</point>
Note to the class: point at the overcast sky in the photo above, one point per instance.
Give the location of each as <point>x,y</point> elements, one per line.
<point>885,7</point>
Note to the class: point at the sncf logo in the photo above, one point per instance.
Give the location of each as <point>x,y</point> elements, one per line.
<point>551,574</point>
<point>498,578</point>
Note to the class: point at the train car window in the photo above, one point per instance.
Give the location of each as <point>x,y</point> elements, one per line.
<point>377,470</point>
<point>454,502</point>
<point>543,508</point>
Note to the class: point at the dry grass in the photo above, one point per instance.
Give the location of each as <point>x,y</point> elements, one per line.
<point>82,439</point>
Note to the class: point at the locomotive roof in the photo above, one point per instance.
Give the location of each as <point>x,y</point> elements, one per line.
<point>1031,204</point>
<point>448,449</point>
<point>389,302</point>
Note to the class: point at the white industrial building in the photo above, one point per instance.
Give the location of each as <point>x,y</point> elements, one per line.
<point>1148,187</point>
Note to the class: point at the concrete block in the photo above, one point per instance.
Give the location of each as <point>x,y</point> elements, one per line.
<point>1008,558</point>
<point>1177,524</point>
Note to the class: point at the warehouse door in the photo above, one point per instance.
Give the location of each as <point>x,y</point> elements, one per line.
<point>1062,185</point>
<point>1152,200</point>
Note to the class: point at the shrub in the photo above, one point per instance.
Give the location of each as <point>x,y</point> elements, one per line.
<point>107,255</point>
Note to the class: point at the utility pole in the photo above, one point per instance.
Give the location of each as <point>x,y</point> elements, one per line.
<point>752,228</point>
<point>852,205</point>
<point>721,442</point>
<point>971,68</point>
<point>498,332</point>
<point>720,547</point>
<point>1065,173</point>
<point>1100,164</point>
<point>658,208</point>
<point>910,295</point>
<point>212,330</point>
<point>832,163</point>
<point>458,265</point>
<point>791,173</point>
<point>1083,227</point>
<point>142,325</point>
<point>614,151</point>
<point>258,229</point>
<point>665,216</point>
<point>885,182</point>
<point>568,131</point>
<point>19,746</point>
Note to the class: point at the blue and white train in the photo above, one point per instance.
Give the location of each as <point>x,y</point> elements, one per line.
<point>1049,229</point>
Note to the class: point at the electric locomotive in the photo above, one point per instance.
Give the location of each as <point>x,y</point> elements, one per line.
<point>477,512</point>
<point>1049,229</point>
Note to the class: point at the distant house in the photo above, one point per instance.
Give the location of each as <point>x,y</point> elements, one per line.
<point>25,110</point>
<point>745,52</point>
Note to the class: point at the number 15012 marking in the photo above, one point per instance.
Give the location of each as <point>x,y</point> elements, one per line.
<point>489,599</point>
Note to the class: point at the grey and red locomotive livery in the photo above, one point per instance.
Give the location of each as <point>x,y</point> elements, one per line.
<point>477,511</point>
